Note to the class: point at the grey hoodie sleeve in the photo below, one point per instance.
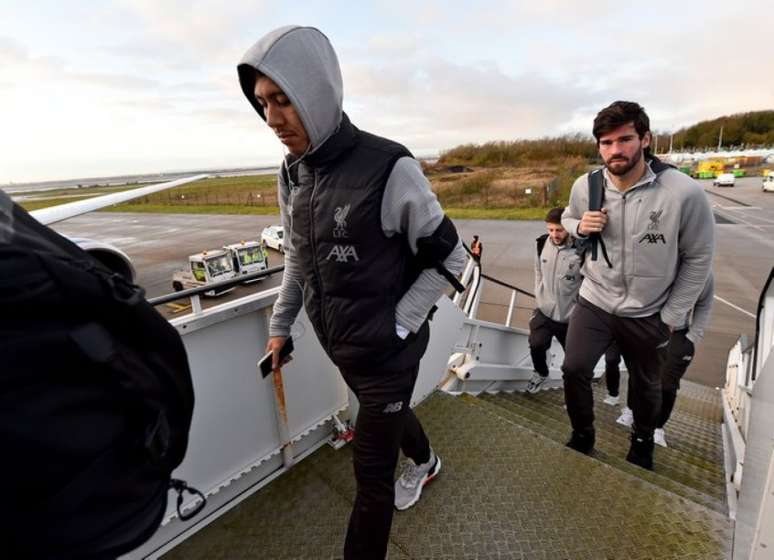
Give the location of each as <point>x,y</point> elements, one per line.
<point>410,207</point>
<point>290,298</point>
<point>696,246</point>
<point>579,203</point>
<point>701,313</point>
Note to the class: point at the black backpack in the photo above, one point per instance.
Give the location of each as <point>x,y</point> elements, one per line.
<point>96,401</point>
<point>540,243</point>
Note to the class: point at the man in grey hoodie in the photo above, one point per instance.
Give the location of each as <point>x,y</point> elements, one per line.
<point>365,245</point>
<point>656,232</point>
<point>557,280</point>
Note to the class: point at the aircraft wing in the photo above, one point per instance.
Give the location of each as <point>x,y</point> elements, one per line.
<point>61,212</point>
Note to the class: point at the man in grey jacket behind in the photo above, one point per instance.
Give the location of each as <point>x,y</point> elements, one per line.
<point>557,280</point>
<point>365,242</point>
<point>656,232</point>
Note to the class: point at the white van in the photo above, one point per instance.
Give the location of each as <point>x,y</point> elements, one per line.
<point>724,180</point>
<point>768,182</point>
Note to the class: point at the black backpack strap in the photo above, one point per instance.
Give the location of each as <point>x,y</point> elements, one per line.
<point>596,200</point>
<point>433,250</point>
<point>541,242</point>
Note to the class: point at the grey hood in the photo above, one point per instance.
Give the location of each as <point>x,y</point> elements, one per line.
<point>302,62</point>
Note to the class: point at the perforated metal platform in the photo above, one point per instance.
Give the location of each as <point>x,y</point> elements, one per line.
<point>505,492</point>
<point>692,465</point>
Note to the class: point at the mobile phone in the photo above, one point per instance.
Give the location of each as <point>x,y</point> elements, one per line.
<point>265,364</point>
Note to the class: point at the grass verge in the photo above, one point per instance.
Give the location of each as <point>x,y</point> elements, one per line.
<point>497,213</point>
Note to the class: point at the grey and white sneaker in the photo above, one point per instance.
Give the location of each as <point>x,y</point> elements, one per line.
<point>612,400</point>
<point>408,487</point>
<point>536,383</point>
<point>626,418</point>
<point>659,438</point>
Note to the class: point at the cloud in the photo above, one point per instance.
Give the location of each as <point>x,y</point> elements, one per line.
<point>434,103</point>
<point>114,81</point>
<point>11,51</point>
<point>204,27</point>
<point>158,78</point>
<point>399,45</point>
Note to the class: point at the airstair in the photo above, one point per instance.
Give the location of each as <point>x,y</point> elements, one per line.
<point>509,488</point>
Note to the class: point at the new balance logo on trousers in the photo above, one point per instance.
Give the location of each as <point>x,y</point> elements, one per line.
<point>393,407</point>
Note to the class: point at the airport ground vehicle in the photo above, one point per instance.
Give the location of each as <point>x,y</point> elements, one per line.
<point>207,267</point>
<point>248,257</point>
<point>272,237</point>
<point>725,180</point>
<point>768,182</point>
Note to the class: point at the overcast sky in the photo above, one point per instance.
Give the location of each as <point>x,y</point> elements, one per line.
<point>133,86</point>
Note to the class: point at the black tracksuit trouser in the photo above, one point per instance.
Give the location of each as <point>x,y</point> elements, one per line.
<point>679,357</point>
<point>642,340</point>
<point>385,425</point>
<point>613,370</point>
<point>541,330</point>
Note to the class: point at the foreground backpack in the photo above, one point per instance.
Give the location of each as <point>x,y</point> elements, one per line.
<point>95,400</point>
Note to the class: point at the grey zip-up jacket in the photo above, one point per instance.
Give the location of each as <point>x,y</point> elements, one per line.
<point>660,240</point>
<point>557,279</point>
<point>301,61</point>
<point>700,315</point>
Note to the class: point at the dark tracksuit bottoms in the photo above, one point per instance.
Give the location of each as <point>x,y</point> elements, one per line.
<point>541,330</point>
<point>383,428</point>
<point>613,370</point>
<point>642,340</point>
<point>679,356</point>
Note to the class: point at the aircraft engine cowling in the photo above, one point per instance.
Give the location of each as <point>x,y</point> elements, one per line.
<point>112,257</point>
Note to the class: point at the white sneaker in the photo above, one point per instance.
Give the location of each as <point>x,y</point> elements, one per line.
<point>611,400</point>
<point>626,418</point>
<point>536,383</point>
<point>658,437</point>
<point>408,487</point>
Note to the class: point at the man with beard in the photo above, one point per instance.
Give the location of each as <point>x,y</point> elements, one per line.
<point>655,231</point>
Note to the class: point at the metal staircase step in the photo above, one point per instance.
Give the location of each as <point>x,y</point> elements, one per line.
<point>706,468</point>
<point>504,491</point>
<point>681,479</point>
<point>690,432</point>
<point>702,451</point>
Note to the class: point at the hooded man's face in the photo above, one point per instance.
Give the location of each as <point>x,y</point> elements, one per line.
<point>281,116</point>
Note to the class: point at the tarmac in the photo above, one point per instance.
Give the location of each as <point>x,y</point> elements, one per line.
<point>159,244</point>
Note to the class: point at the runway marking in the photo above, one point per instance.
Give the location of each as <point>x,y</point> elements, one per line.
<point>728,303</point>
<point>727,198</point>
<point>736,219</point>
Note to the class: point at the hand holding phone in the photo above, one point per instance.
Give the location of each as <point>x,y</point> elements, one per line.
<point>266,363</point>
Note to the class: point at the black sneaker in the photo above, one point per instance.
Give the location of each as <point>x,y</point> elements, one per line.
<point>582,441</point>
<point>641,452</point>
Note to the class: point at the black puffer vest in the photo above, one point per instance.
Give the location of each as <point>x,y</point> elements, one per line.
<point>354,275</point>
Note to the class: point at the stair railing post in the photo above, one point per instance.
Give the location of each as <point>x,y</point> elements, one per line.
<point>511,306</point>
